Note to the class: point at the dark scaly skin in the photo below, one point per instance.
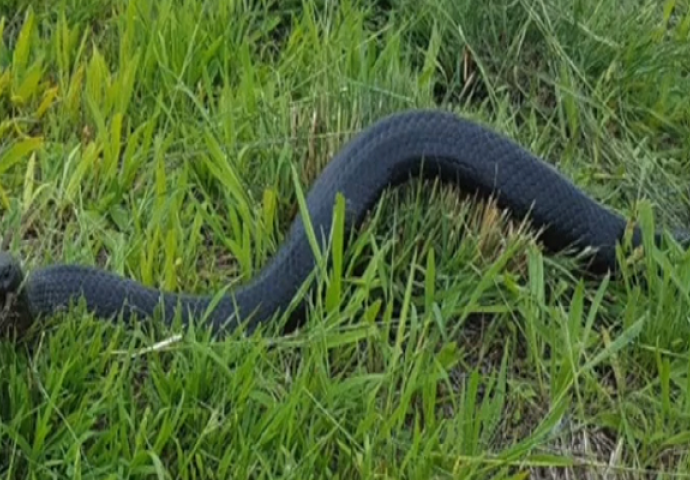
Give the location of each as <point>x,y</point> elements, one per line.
<point>385,155</point>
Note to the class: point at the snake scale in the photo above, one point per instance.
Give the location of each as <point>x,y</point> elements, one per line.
<point>384,155</point>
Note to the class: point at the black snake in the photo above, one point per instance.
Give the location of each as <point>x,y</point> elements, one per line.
<point>384,155</point>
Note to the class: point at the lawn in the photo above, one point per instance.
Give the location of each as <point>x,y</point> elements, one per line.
<point>172,142</point>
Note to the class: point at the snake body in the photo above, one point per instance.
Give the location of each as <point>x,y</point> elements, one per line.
<point>389,152</point>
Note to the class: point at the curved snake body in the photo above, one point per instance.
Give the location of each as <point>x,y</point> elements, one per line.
<point>384,155</point>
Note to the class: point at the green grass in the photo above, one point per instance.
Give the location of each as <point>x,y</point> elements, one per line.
<point>162,139</point>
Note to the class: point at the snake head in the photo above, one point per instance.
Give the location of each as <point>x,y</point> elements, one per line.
<point>11,275</point>
<point>14,314</point>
